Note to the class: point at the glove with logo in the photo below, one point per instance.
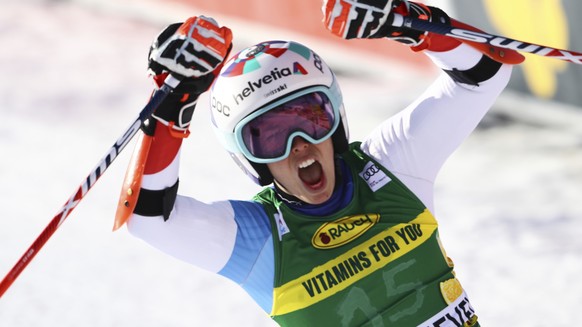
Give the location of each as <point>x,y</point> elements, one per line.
<point>368,19</point>
<point>193,52</point>
<point>363,19</point>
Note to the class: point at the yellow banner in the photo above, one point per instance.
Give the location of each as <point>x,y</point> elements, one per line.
<point>357,263</point>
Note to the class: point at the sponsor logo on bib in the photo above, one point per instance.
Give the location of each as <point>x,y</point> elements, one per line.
<point>374,177</point>
<point>343,230</point>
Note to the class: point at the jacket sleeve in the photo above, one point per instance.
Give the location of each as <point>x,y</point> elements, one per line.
<point>415,143</point>
<point>207,235</point>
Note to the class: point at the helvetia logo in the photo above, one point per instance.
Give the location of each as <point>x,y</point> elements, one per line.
<point>343,230</point>
<point>274,75</point>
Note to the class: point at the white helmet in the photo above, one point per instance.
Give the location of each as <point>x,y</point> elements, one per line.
<point>268,72</point>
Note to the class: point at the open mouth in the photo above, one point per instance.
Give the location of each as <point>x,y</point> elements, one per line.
<point>311,174</point>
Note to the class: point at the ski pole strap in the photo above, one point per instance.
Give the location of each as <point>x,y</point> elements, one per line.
<point>152,203</point>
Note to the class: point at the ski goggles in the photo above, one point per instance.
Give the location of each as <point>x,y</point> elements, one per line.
<point>267,135</point>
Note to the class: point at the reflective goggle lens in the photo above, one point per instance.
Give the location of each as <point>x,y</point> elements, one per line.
<point>310,116</point>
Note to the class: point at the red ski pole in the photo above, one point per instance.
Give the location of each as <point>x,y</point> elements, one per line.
<point>496,42</point>
<point>156,99</point>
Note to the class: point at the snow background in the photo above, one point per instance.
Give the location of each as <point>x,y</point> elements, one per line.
<point>73,78</point>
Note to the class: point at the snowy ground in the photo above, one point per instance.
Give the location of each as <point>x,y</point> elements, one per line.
<point>72,80</point>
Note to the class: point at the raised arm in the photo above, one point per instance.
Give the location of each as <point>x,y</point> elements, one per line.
<point>415,143</point>
<point>196,232</point>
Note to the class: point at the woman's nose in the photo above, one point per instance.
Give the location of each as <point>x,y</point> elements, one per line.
<point>299,144</point>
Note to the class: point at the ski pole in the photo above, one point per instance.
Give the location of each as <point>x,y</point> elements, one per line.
<point>156,99</point>
<point>486,38</point>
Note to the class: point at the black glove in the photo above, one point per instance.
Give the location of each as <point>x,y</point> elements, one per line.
<point>193,52</point>
<point>364,19</point>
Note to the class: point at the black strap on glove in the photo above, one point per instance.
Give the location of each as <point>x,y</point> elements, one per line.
<point>415,10</point>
